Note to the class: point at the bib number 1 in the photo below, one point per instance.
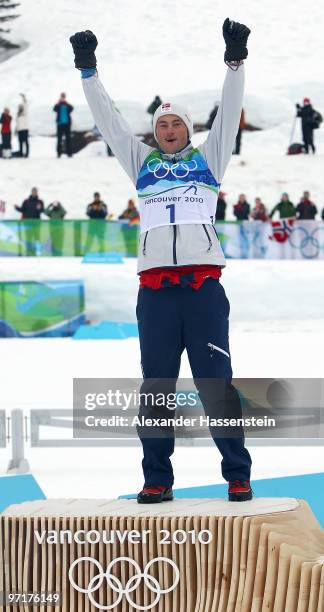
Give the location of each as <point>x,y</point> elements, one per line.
<point>172,209</point>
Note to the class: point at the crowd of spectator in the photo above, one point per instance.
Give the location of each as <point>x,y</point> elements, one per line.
<point>63,111</point>
<point>310,118</point>
<point>243,211</point>
<point>21,130</point>
<point>33,208</point>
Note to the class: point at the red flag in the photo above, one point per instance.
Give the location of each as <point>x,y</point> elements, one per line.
<point>281,229</point>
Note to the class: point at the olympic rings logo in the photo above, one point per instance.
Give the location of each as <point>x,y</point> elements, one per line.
<point>132,584</point>
<point>307,242</point>
<point>179,170</point>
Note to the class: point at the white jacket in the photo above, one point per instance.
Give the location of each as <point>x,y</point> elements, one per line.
<point>173,245</point>
<point>22,119</point>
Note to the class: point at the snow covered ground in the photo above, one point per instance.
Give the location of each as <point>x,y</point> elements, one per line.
<point>277,328</point>
<point>108,473</point>
<point>276,307</point>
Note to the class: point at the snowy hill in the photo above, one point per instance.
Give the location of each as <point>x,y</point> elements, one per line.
<point>173,50</point>
<point>167,48</point>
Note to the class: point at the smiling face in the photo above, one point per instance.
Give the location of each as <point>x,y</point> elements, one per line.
<point>171,133</point>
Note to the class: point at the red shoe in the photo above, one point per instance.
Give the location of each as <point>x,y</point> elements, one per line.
<point>239,490</point>
<point>155,495</point>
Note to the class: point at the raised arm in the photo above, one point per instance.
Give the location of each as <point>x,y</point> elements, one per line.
<point>219,145</point>
<point>274,210</point>
<point>127,148</point>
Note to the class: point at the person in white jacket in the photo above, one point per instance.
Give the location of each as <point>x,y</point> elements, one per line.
<point>181,303</point>
<point>22,127</point>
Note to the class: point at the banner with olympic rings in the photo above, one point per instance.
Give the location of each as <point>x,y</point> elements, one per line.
<point>284,239</point>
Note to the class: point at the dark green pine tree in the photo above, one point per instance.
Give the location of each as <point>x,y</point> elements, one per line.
<point>6,14</point>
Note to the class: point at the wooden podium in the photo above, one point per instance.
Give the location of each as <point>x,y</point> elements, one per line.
<point>194,555</point>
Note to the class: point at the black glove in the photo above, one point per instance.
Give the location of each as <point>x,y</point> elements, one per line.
<point>298,106</point>
<point>84,45</point>
<point>235,36</point>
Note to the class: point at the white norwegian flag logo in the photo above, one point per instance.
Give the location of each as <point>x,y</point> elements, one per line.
<point>166,106</point>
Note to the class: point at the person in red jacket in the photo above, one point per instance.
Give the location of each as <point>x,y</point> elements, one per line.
<point>259,212</point>
<point>5,121</point>
<point>241,209</point>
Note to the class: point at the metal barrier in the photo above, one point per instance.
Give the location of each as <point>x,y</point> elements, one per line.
<point>12,429</point>
<point>63,419</point>
<point>3,436</point>
<point>18,464</point>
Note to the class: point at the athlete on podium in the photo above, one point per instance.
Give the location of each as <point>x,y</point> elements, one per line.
<point>181,302</point>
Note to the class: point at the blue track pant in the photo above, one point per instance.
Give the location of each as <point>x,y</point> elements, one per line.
<point>170,320</point>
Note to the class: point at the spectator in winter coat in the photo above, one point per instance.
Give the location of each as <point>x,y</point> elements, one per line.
<point>32,207</point>
<point>306,209</point>
<point>5,121</point>
<point>131,213</point>
<point>211,117</point>
<point>55,210</point>
<point>241,210</point>
<point>285,208</point>
<point>259,212</point>
<point>306,113</point>
<point>96,211</point>
<point>63,112</point>
<point>22,127</point>
<point>237,149</point>
<point>154,105</point>
<point>96,133</point>
<point>221,207</point>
